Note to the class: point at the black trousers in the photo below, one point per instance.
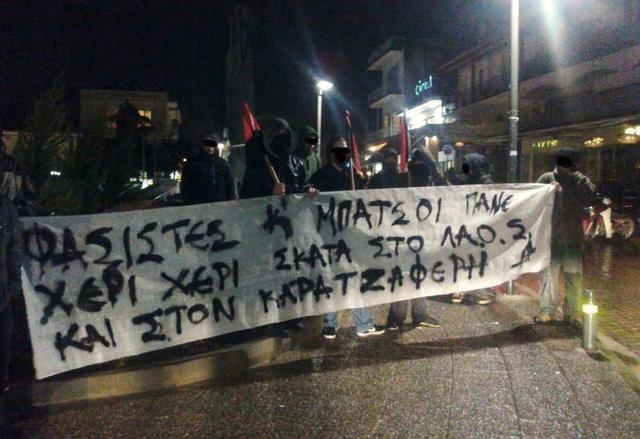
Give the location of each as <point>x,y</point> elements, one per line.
<point>6,323</point>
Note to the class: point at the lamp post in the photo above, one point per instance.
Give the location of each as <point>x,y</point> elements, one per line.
<point>513,114</point>
<point>515,67</point>
<point>323,86</point>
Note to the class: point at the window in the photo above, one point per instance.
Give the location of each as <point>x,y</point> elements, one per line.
<point>145,113</point>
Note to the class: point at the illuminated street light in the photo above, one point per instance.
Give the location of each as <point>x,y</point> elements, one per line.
<point>323,86</point>
<point>589,326</point>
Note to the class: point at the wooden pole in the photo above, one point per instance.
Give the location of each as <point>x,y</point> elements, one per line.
<point>272,171</point>
<point>353,179</point>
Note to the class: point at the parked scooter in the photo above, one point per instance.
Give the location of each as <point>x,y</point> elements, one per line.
<point>601,220</point>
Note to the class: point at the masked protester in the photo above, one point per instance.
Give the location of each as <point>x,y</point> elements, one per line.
<point>307,149</point>
<point>10,286</point>
<point>275,141</point>
<point>207,177</point>
<point>336,176</point>
<point>423,172</point>
<point>574,192</point>
<point>475,170</point>
<point>388,177</point>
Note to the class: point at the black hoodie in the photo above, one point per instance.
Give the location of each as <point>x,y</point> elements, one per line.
<point>479,169</point>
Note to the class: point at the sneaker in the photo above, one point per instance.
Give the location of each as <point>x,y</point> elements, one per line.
<point>376,330</point>
<point>329,333</point>
<point>484,299</point>
<point>457,297</point>
<point>393,327</point>
<point>542,318</point>
<point>429,322</point>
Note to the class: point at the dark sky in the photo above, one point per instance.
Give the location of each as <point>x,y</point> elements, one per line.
<point>180,46</point>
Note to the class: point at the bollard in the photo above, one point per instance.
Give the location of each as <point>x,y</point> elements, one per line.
<point>510,288</point>
<point>589,324</point>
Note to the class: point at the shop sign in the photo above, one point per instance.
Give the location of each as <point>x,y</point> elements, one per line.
<point>548,143</point>
<point>423,86</point>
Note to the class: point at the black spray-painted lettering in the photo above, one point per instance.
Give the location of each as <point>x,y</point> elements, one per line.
<point>88,292</point>
<point>369,279</point>
<point>461,264</point>
<point>55,300</point>
<point>150,256</point>
<point>97,237</point>
<point>274,219</point>
<point>173,227</point>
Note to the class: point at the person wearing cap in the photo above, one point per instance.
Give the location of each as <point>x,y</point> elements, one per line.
<point>574,191</point>
<point>207,177</point>
<point>307,149</point>
<point>336,176</point>
<point>423,172</point>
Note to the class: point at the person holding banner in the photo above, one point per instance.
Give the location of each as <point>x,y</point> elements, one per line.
<point>422,169</point>
<point>574,192</point>
<point>10,285</point>
<point>475,170</point>
<point>207,177</point>
<point>338,176</point>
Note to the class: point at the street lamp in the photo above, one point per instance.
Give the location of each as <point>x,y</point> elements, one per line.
<point>513,114</point>
<point>323,86</point>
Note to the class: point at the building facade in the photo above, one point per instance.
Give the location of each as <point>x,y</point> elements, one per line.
<point>408,83</point>
<point>163,114</point>
<point>579,87</point>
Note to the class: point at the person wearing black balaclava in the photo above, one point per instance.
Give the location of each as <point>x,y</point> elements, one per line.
<point>207,177</point>
<point>275,141</point>
<point>574,192</point>
<point>307,149</point>
<point>336,176</point>
<point>475,170</point>
<point>388,177</point>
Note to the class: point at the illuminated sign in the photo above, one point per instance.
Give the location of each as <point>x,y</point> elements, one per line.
<point>549,143</point>
<point>424,86</point>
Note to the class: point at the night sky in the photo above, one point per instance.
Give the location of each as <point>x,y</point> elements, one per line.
<point>180,47</point>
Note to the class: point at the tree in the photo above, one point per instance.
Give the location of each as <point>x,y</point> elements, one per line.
<point>78,188</point>
<point>46,132</point>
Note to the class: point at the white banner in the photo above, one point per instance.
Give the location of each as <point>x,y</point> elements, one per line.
<point>107,286</point>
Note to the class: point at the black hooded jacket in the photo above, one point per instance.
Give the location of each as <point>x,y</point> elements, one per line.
<point>257,181</point>
<point>207,179</point>
<point>480,169</point>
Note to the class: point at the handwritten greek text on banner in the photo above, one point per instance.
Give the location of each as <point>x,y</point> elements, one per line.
<point>107,286</point>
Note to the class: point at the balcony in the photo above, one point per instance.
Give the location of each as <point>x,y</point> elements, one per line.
<point>385,96</point>
<point>492,87</point>
<point>382,134</point>
<point>386,53</point>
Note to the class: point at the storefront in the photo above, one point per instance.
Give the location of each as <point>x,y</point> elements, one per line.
<point>610,155</point>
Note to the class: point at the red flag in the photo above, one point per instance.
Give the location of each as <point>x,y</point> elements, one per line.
<point>249,123</point>
<point>354,145</point>
<point>404,146</point>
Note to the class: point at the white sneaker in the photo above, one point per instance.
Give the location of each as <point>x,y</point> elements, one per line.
<point>376,330</point>
<point>457,297</point>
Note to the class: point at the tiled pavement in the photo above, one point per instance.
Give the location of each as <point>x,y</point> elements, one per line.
<point>612,271</point>
<point>485,373</point>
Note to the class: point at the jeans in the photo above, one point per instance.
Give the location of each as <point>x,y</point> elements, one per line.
<point>398,311</point>
<point>569,259</point>
<point>362,317</point>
